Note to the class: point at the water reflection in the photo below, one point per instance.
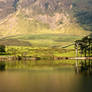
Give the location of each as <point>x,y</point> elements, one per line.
<point>59,79</point>
<point>39,81</point>
<point>85,68</point>
<point>2,66</point>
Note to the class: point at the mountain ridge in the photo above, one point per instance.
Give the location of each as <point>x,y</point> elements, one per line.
<point>51,15</point>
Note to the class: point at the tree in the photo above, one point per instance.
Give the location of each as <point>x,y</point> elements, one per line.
<point>2,49</point>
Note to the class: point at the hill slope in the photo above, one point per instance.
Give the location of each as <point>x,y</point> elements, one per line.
<point>22,18</point>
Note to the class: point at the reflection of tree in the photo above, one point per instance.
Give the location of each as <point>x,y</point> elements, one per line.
<point>2,66</point>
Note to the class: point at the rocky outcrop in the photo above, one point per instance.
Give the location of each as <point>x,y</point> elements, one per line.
<point>7,7</point>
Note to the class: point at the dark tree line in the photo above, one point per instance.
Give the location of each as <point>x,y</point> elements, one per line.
<point>2,49</point>
<point>84,46</point>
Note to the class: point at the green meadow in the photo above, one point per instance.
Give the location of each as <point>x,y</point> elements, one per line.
<point>42,52</point>
<point>40,40</point>
<point>40,45</point>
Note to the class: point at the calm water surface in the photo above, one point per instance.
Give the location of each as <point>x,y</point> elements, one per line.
<point>57,80</point>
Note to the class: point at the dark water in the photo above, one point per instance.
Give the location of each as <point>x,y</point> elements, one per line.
<point>63,79</point>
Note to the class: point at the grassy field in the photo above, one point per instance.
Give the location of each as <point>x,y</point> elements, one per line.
<point>40,45</point>
<point>40,40</point>
<point>42,52</point>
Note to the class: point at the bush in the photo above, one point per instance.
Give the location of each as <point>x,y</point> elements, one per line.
<point>2,49</point>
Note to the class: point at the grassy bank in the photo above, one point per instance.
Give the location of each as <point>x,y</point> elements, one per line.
<point>40,40</point>
<point>42,52</point>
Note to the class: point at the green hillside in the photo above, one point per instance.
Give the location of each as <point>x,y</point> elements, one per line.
<point>46,22</point>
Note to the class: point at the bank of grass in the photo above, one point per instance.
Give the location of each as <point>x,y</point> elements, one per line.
<point>40,40</point>
<point>49,40</point>
<point>42,52</point>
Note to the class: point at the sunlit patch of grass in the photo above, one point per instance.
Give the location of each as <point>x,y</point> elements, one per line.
<point>66,54</point>
<point>42,52</point>
<point>47,40</point>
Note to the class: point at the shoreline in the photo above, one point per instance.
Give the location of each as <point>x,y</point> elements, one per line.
<point>26,58</point>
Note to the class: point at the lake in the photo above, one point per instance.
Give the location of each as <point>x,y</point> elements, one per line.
<point>45,79</point>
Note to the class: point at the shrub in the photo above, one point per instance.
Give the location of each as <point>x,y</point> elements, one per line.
<point>2,49</point>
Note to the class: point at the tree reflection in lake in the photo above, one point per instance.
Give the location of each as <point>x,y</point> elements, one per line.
<point>19,77</point>
<point>85,67</point>
<point>2,66</point>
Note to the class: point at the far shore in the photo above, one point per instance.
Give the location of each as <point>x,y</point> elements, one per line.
<point>26,58</point>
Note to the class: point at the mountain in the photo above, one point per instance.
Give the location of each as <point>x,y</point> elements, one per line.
<point>29,17</point>
<point>83,13</point>
<point>7,7</point>
<point>58,12</point>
